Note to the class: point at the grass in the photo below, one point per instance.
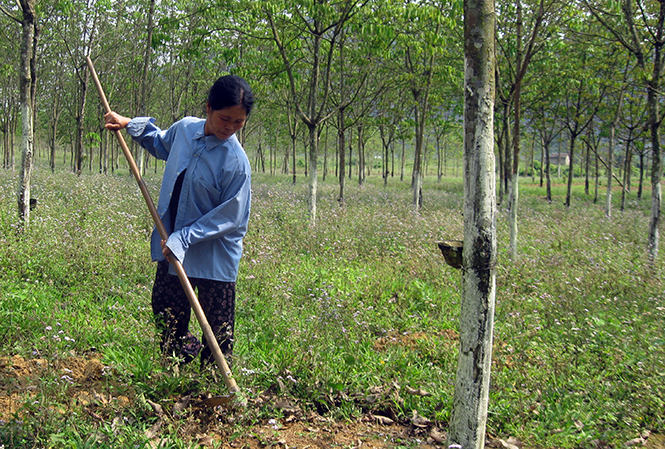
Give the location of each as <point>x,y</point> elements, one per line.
<point>341,316</point>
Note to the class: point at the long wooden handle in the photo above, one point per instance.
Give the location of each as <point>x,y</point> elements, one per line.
<point>184,280</point>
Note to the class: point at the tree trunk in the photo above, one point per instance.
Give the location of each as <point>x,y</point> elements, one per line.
<point>294,147</point>
<point>28,42</point>
<point>515,169</point>
<point>401,175</point>
<point>471,397</point>
<point>542,160</point>
<point>350,159</point>
<point>143,107</point>
<point>313,180</point>
<point>641,184</point>
<point>571,169</point>
<point>533,160</point>
<point>53,131</point>
<point>417,181</point>
<point>80,117</point>
<point>342,155</point>
<point>586,170</point>
<point>610,169</point>
<point>439,162</point>
<point>654,124</point>
<point>361,157</point>
<point>325,156</point>
<point>597,176</point>
<point>628,159</point>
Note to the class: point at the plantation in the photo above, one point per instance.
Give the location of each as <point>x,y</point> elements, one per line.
<point>346,331</point>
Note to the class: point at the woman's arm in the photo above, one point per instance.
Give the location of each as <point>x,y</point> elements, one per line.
<point>230,217</point>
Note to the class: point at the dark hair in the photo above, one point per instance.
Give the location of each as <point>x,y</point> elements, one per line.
<point>231,90</point>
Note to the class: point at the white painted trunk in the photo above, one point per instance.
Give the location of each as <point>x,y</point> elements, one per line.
<point>469,415</point>
<point>313,175</point>
<point>654,233</point>
<point>26,82</point>
<point>514,196</point>
<point>25,175</point>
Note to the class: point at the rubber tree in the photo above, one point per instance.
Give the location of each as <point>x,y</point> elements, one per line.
<point>145,91</point>
<point>631,133</point>
<point>548,126</point>
<point>610,152</point>
<point>640,28</point>
<point>359,79</point>
<point>80,47</point>
<point>587,88</point>
<point>425,53</point>
<point>26,17</point>
<point>471,397</point>
<point>305,37</point>
<point>520,41</point>
<point>9,87</point>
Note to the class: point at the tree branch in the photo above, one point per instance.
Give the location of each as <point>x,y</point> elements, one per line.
<point>8,14</point>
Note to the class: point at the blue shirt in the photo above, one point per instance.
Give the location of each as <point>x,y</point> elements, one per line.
<point>214,205</point>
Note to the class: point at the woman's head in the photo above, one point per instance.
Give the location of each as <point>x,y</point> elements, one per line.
<point>228,91</point>
<point>230,101</point>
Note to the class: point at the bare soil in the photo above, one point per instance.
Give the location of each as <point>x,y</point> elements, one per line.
<point>89,390</point>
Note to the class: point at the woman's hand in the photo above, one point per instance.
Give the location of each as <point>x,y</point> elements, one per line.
<point>165,249</point>
<point>115,121</point>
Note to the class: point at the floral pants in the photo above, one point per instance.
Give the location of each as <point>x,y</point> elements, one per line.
<point>172,312</point>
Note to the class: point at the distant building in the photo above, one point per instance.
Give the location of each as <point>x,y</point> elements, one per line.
<point>560,159</point>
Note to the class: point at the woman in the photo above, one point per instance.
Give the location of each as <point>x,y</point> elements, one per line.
<point>204,203</point>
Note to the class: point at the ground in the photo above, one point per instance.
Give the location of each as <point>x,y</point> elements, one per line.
<point>211,426</point>
<point>208,425</point>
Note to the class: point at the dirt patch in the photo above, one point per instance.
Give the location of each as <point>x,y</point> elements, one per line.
<point>448,337</point>
<point>82,378</point>
<point>87,390</point>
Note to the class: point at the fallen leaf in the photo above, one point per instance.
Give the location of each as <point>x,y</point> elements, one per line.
<point>508,445</point>
<point>205,440</point>
<point>419,421</point>
<point>655,441</point>
<point>383,420</point>
<point>634,442</point>
<point>99,398</point>
<point>282,404</point>
<point>152,432</point>
<point>155,407</point>
<point>417,392</point>
<point>181,404</point>
<point>117,422</point>
<point>439,437</point>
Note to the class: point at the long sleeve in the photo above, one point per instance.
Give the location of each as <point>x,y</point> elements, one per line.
<point>144,131</point>
<point>228,219</point>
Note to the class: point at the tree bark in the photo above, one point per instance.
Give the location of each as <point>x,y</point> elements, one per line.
<point>469,415</point>
<point>610,157</point>
<point>28,41</point>
<point>515,169</point>
<point>141,158</point>
<point>341,146</point>
<point>313,175</point>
